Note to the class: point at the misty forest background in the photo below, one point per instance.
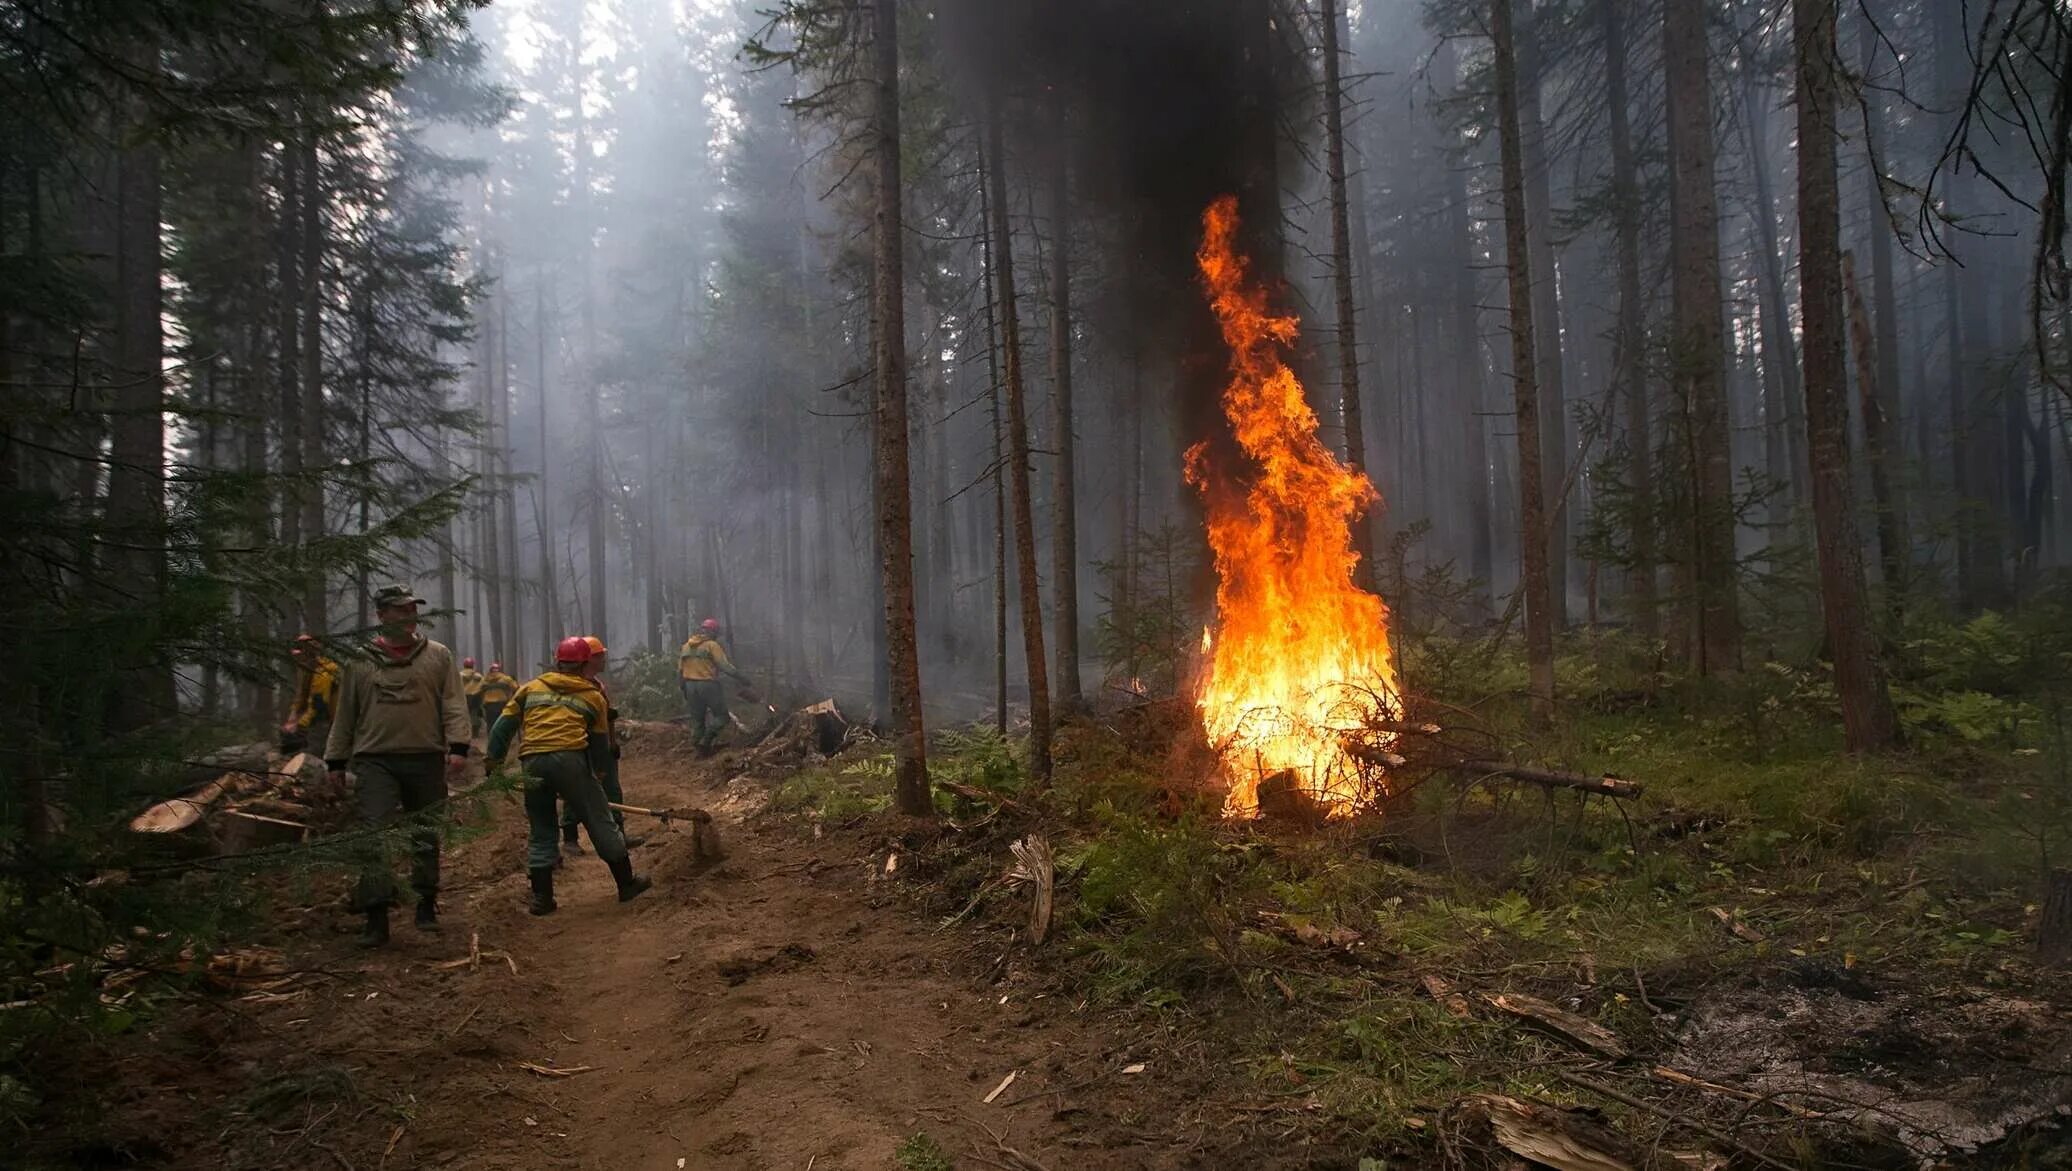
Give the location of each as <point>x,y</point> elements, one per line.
<point>583,317</point>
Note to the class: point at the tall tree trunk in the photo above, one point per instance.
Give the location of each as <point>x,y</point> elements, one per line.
<point>1697,345</point>
<point>314,603</point>
<point>1065,538</point>
<point>1467,357</point>
<point>1885,298</point>
<point>1546,315</point>
<point>1018,455</point>
<point>999,466</point>
<point>1868,721</point>
<point>288,360</point>
<point>895,503</point>
<point>490,570</point>
<point>509,578</point>
<point>1342,280</point>
<point>136,430</point>
<point>1781,391</point>
<point>1532,512</point>
<point>1892,552</point>
<point>1630,345</point>
<point>543,498</point>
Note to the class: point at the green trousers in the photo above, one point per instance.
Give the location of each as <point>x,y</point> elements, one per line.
<point>393,786</point>
<point>703,699</point>
<point>612,793</point>
<point>553,777</point>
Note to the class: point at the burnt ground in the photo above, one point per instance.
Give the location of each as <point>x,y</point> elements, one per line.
<point>785,1009</point>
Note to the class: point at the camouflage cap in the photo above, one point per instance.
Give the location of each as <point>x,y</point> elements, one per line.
<point>396,595</point>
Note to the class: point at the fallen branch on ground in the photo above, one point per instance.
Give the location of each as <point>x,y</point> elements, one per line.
<point>1607,785</point>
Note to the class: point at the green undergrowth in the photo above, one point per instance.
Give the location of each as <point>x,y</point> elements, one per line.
<point>1758,846</point>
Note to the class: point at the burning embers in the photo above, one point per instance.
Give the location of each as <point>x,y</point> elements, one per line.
<point>1298,675</point>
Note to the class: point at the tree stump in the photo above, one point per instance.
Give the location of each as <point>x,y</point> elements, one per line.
<point>2054,926</point>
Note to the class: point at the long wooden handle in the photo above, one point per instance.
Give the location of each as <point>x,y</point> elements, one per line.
<point>664,814</point>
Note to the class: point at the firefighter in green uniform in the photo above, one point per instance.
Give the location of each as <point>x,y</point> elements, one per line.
<point>471,685</point>
<point>594,672</point>
<point>401,730</point>
<point>563,724</point>
<point>316,695</point>
<point>701,662</point>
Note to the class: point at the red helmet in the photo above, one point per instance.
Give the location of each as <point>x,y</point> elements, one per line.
<point>709,626</point>
<point>496,666</point>
<point>573,649</point>
<point>467,662</point>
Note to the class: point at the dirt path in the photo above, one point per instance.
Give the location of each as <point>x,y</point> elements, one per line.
<point>783,1010</point>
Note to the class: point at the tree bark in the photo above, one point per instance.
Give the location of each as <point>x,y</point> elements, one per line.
<point>543,501</point>
<point>314,602</point>
<point>895,504</point>
<point>1532,512</point>
<point>1546,316</point>
<point>999,465</point>
<point>1018,456</point>
<point>1065,538</point>
<point>1630,343</point>
<point>136,431</point>
<point>1868,721</point>
<point>1467,358</point>
<point>1342,281</point>
<point>1697,344</point>
<point>1782,392</point>
<point>1892,552</point>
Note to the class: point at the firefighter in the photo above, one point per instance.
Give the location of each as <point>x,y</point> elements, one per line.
<point>401,730</point>
<point>563,724</point>
<point>497,689</point>
<point>316,694</point>
<point>700,663</point>
<point>594,672</point>
<point>471,684</point>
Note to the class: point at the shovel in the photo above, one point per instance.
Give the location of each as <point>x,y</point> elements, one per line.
<point>705,843</point>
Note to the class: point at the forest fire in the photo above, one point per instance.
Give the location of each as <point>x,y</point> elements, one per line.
<point>1299,656</point>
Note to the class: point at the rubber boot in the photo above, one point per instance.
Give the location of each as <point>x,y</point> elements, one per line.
<point>427,913</point>
<point>376,932</point>
<point>569,844</point>
<point>630,884</point>
<point>542,890</point>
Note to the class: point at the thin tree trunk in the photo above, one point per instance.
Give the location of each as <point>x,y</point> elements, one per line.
<point>1018,457</point>
<point>1342,281</point>
<point>1868,721</point>
<point>136,429</point>
<point>1697,344</point>
<point>1467,363</point>
<point>895,505</point>
<point>1629,367</point>
<point>1065,538</point>
<point>288,346</point>
<point>1546,316</point>
<point>314,602</point>
<point>513,635</point>
<point>1782,457</point>
<point>543,500</point>
<point>1892,552</point>
<point>1532,519</point>
<point>490,571</point>
<point>999,466</point>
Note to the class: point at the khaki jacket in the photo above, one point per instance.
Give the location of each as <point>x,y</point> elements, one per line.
<point>412,704</point>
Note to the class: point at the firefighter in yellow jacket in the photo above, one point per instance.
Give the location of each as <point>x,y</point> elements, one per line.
<point>562,722</point>
<point>497,690</point>
<point>316,695</point>
<point>700,664</point>
<point>471,686</point>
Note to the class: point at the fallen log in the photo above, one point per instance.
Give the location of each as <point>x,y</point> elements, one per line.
<point>238,832</point>
<point>1606,785</point>
<point>178,813</point>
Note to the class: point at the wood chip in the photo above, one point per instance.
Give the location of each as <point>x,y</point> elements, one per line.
<point>1579,1031</point>
<point>553,1071</point>
<point>1134,1067</point>
<point>1438,989</point>
<point>1733,923</point>
<point>1002,1087</point>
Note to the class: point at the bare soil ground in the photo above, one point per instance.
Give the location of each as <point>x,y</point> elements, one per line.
<point>785,1009</point>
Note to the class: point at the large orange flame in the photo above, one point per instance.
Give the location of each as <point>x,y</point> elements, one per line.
<point>1300,656</point>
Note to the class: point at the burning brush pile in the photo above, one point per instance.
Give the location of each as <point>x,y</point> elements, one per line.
<point>1298,694</point>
